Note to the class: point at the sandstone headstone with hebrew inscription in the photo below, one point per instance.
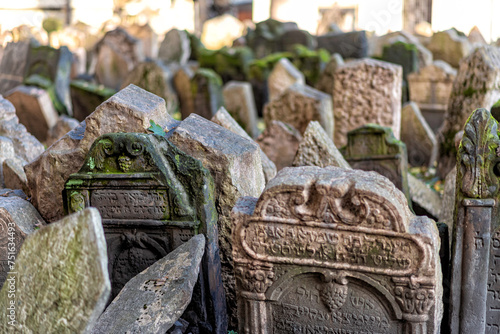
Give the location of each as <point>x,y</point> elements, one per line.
<point>283,75</point>
<point>476,86</point>
<point>475,286</point>
<point>374,148</point>
<point>335,250</point>
<point>61,288</point>
<point>298,105</point>
<point>366,91</point>
<point>152,198</point>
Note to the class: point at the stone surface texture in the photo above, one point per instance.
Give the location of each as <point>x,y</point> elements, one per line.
<point>366,91</point>
<point>298,105</point>
<point>62,278</point>
<point>318,149</point>
<point>154,300</point>
<point>130,110</point>
<point>63,125</point>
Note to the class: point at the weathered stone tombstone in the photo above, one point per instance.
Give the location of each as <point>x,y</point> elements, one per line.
<point>374,148</point>
<point>476,86</point>
<point>334,250</point>
<point>449,46</point>
<point>148,38</point>
<point>430,88</point>
<point>298,105</point>
<point>475,268</point>
<point>380,102</point>
<point>206,88</point>
<point>175,48</point>
<point>240,102</point>
<point>421,143</point>
<point>13,65</point>
<point>182,85</point>
<point>62,288</point>
<point>403,54</point>
<point>290,38</point>
<point>152,198</point>
<point>349,45</point>
<point>86,96</point>
<point>283,75</point>
<point>326,78</point>
<point>63,125</point>
<point>34,109</point>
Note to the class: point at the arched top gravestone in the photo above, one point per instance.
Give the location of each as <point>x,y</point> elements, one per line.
<point>326,250</point>
<point>152,198</point>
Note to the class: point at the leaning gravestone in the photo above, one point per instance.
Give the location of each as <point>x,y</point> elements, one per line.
<point>349,45</point>
<point>206,87</point>
<point>13,65</point>
<point>34,109</point>
<point>419,138</point>
<point>60,281</point>
<point>283,75</point>
<point>175,48</point>
<point>475,265</point>
<point>152,198</point>
<point>379,102</point>
<point>298,105</point>
<point>374,148</point>
<point>86,96</point>
<point>240,102</point>
<point>18,219</point>
<point>335,250</point>
<point>152,301</point>
<point>235,165</point>
<point>477,85</point>
<point>318,149</point>
<point>130,110</point>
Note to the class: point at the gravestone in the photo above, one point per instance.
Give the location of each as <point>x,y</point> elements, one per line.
<point>318,149</point>
<point>13,175</point>
<point>13,65</point>
<point>326,78</point>
<point>235,165</point>
<point>298,105</point>
<point>182,85</point>
<point>430,88</point>
<point>280,143</point>
<point>152,301</point>
<point>379,103</point>
<point>61,288</point>
<point>475,269</point>
<point>349,45</point>
<point>403,54</point>
<point>425,201</point>
<point>175,48</point>
<point>374,148</point>
<point>116,54</point>
<point>291,38</point>
<point>224,119</point>
<point>206,87</point>
<point>283,75</point>
<point>157,79</point>
<point>148,38</point>
<point>34,109</point>
<point>476,86</point>
<point>240,102</point>
<point>447,213</point>
<point>130,110</point>
<point>152,198</point>
<point>449,46</point>
<point>332,250</point>
<point>18,219</point>
<point>264,39</point>
<point>421,143</point>
<point>86,96</point>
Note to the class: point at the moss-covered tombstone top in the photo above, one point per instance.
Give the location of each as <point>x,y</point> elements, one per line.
<point>152,198</point>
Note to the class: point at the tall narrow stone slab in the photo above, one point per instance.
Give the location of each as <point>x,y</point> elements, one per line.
<point>421,143</point>
<point>224,119</point>
<point>240,102</point>
<point>283,75</point>
<point>130,110</point>
<point>374,148</point>
<point>449,46</point>
<point>18,219</point>
<point>206,87</point>
<point>280,142</point>
<point>61,281</point>
<point>153,300</point>
<point>13,65</point>
<point>447,213</point>
<point>152,198</point>
<point>300,104</point>
<point>235,165</point>
<point>332,250</point>
<point>175,48</point>
<point>318,149</point>
<point>182,85</point>
<point>379,102</point>
<point>475,268</point>
<point>34,109</point>
<point>477,85</point>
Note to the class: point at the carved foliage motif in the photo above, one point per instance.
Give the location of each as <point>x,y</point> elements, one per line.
<point>478,156</point>
<point>255,278</point>
<point>414,300</point>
